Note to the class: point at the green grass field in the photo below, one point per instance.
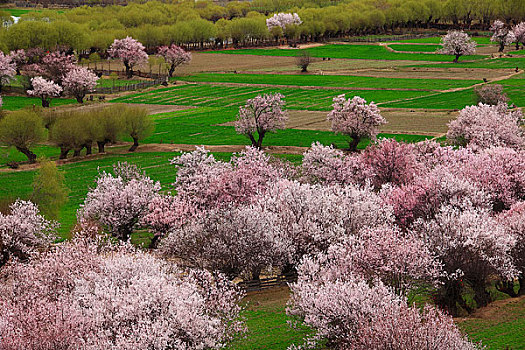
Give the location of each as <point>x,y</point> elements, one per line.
<point>116,82</point>
<point>12,103</point>
<point>415,48</point>
<point>368,52</point>
<point>330,81</point>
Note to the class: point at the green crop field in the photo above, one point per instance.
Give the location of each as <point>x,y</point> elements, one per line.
<point>369,52</point>
<point>330,81</point>
<point>207,95</point>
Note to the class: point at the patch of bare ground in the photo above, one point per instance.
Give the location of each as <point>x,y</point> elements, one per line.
<point>496,311</point>
<point>216,62</point>
<point>274,298</point>
<point>400,121</point>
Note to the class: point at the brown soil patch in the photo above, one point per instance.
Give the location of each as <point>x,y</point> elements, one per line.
<point>495,311</point>
<point>400,121</point>
<point>216,62</point>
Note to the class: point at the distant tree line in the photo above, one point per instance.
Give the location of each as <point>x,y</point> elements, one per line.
<point>205,24</point>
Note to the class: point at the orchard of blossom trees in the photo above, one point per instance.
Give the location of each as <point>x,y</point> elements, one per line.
<point>361,230</point>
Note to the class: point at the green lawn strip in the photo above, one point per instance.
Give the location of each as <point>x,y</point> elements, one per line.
<point>329,81</point>
<point>10,154</point>
<point>496,63</point>
<point>415,48</point>
<point>12,103</point>
<point>208,95</point>
<point>368,52</point>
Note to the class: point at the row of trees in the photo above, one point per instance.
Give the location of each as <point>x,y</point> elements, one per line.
<point>75,130</point>
<point>157,23</point>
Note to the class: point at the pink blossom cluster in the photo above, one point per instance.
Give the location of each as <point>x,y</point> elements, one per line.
<point>260,115</point>
<point>355,118</point>
<point>349,312</point>
<point>23,231</point>
<point>118,202</point>
<point>501,34</point>
<point>19,58</point>
<point>55,65</point>
<point>79,296</point>
<point>174,56</point>
<point>457,43</point>
<point>484,126</point>
<point>208,183</point>
<point>7,69</point>
<point>283,20</point>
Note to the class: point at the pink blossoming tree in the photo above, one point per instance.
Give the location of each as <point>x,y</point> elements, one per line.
<point>484,126</point>
<point>7,70</point>
<point>79,81</point>
<point>355,118</point>
<point>44,89</point>
<point>260,115</point>
<point>23,231</point>
<point>514,222</point>
<point>130,51</point>
<point>19,58</point>
<point>350,312</point>
<point>174,57</point>
<point>501,34</point>
<point>472,247</point>
<point>457,43</point>
<point>519,34</point>
<point>76,297</point>
<point>118,202</point>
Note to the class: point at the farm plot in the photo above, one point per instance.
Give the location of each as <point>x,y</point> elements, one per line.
<point>481,40</point>
<point>331,81</point>
<point>207,95</point>
<point>368,52</point>
<point>495,63</point>
<point>214,126</point>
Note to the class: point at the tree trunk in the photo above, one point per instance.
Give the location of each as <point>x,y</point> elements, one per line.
<point>129,70</point>
<point>76,152</point>
<point>252,139</point>
<point>63,152</point>
<point>27,152</point>
<point>256,274</point>
<point>507,287</point>
<point>521,281</point>
<point>80,98</point>
<point>352,145</point>
<point>154,242</point>
<point>517,45</point>
<point>135,145</point>
<point>101,145</point>
<point>260,139</point>
<point>172,69</point>
<point>501,47</point>
<point>88,149</point>
<point>45,103</point>
<point>456,59</point>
